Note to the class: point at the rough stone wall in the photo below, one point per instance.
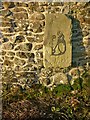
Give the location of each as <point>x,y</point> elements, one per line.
<point>22,28</point>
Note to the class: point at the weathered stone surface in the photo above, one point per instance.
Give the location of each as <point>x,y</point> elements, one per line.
<point>8,63</point>
<point>37,16</point>
<point>8,46</point>
<point>57,47</point>
<point>19,62</point>
<point>54,80</point>
<point>5,40</point>
<point>9,57</point>
<point>19,39</point>
<point>7,30</point>
<point>87,20</point>
<point>11,54</point>
<point>3,52</point>
<point>17,9</point>
<point>30,39</point>
<point>36,27</point>
<point>6,4</point>
<point>37,47</point>
<point>21,55</point>
<point>6,13</point>
<point>21,16</point>
<point>59,78</point>
<point>24,47</point>
<point>5,24</point>
<point>75,73</point>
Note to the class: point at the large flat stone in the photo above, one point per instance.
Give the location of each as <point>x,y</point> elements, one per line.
<point>57,48</point>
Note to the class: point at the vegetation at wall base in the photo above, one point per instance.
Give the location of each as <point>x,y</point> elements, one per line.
<point>39,102</point>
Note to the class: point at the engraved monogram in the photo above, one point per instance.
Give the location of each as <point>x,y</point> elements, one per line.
<point>58,44</point>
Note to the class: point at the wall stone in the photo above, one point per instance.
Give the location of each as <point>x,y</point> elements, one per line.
<point>57,48</point>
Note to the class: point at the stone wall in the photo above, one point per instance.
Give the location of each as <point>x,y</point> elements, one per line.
<point>22,34</point>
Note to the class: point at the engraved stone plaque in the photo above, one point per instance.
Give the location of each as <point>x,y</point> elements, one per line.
<point>57,48</point>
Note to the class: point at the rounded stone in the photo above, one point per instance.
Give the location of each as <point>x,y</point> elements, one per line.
<point>82,70</point>
<point>36,25</point>
<point>88,9</point>
<point>21,16</point>
<point>59,78</point>
<point>40,9</point>
<point>19,9</point>
<point>7,46</point>
<point>74,73</point>
<point>6,13</point>
<point>29,46</point>
<point>43,81</point>
<point>21,4</point>
<point>40,17</point>
<point>39,63</point>
<point>5,40</point>
<point>39,38</point>
<point>87,20</point>
<point>24,47</point>
<point>5,23</point>
<point>58,4</point>
<point>12,5</point>
<point>39,54</point>
<point>3,52</point>
<point>19,39</point>
<point>31,57</point>
<point>8,63</point>
<point>17,68</point>
<point>85,33</point>
<point>11,29</point>
<point>38,30</point>
<point>19,62</point>
<point>6,4</point>
<point>12,54</point>
<point>42,23</point>
<point>21,55</point>
<point>30,39</point>
<point>5,30</point>
<point>1,61</point>
<point>9,57</point>
<point>37,47</point>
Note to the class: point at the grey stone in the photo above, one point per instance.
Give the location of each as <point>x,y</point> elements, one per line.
<point>75,73</point>
<point>57,41</point>
<point>59,78</point>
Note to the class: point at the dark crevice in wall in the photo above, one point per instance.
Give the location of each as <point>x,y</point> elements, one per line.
<point>78,49</point>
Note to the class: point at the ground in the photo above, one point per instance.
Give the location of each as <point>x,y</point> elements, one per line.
<point>64,102</point>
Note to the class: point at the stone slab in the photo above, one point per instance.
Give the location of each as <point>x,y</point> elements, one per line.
<point>57,48</point>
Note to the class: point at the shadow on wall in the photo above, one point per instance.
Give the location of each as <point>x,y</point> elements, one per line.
<point>78,49</point>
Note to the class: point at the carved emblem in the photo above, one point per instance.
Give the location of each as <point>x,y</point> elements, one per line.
<point>58,44</point>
